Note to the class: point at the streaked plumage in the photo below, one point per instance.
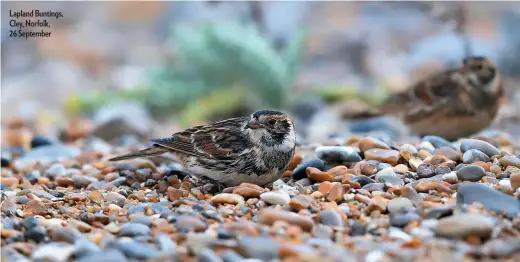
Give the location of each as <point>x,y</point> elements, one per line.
<point>451,104</point>
<point>255,149</point>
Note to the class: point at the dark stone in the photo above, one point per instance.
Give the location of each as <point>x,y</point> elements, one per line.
<point>5,162</point>
<point>38,141</point>
<point>490,198</point>
<point>37,234</point>
<point>134,249</point>
<point>425,170</point>
<point>179,173</point>
<point>363,180</point>
<point>441,170</point>
<point>338,154</point>
<point>357,228</point>
<point>30,222</point>
<point>299,171</point>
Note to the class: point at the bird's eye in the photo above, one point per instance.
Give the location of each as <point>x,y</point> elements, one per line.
<point>271,122</point>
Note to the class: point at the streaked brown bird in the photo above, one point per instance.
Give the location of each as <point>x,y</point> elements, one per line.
<point>451,104</point>
<point>255,149</point>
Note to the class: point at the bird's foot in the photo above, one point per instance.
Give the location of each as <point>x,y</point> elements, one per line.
<point>210,185</point>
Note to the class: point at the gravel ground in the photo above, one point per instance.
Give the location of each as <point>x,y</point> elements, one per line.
<point>358,199</point>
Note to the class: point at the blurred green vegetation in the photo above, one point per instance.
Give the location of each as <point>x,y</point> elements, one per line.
<point>216,69</point>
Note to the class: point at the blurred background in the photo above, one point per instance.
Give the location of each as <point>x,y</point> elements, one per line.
<point>153,68</point>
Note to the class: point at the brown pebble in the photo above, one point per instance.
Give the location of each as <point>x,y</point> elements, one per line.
<point>377,203</point>
<point>248,190</point>
<point>295,161</point>
<point>482,164</point>
<point>400,169</point>
<point>37,207</point>
<point>383,155</point>
<point>336,192</point>
<point>95,196</point>
<point>318,175</point>
<point>111,176</point>
<point>515,181</point>
<point>437,185</point>
<point>368,143</point>
<point>174,193</point>
<point>191,222</point>
<point>325,187</point>
<point>77,197</point>
<point>317,194</point>
<point>448,152</point>
<point>225,198</point>
<point>64,181</point>
<point>510,161</point>
<point>10,181</point>
<point>338,171</point>
<point>300,202</point>
<point>368,169</point>
<point>268,216</point>
<point>423,154</point>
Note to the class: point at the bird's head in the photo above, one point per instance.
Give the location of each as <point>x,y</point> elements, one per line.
<point>271,128</point>
<point>481,73</point>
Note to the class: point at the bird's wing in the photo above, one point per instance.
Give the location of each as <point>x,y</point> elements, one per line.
<point>431,96</point>
<point>223,140</point>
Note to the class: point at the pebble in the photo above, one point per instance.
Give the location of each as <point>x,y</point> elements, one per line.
<point>330,218</point>
<point>482,146</point>
<point>515,181</point>
<point>383,155</point>
<point>367,143</point>
<point>425,170</point>
<point>300,171</point>
<point>510,161</point>
<point>225,198</point>
<point>437,141</point>
<point>403,219</point>
<point>56,170</point>
<point>464,225</point>
<point>473,155</point>
<point>276,198</point>
<point>263,248</point>
<point>115,198</point>
<point>338,154</point>
<point>268,216</point>
<point>388,175</point>
<point>134,229</point>
<point>472,173</point>
<point>490,198</point>
<point>111,255</point>
<point>317,175</point>
<point>399,205</point>
<point>248,190</point>
<point>362,180</point>
<point>449,153</point>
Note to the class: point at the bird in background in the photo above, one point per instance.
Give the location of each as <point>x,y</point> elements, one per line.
<point>451,104</point>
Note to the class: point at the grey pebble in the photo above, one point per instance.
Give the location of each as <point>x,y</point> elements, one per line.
<point>134,229</point>
<point>388,175</point>
<point>490,198</point>
<point>480,145</point>
<point>473,155</point>
<point>263,248</point>
<point>338,154</point>
<point>399,205</point>
<point>472,173</point>
<point>330,218</point>
<point>111,255</point>
<point>208,255</point>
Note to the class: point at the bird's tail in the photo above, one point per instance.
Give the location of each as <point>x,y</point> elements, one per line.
<point>151,151</point>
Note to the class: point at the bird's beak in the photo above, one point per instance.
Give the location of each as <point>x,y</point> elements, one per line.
<point>253,124</point>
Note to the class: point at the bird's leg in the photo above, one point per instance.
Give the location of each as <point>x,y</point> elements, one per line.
<point>210,185</point>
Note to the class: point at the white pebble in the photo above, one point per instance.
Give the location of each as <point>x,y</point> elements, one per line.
<point>276,197</point>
